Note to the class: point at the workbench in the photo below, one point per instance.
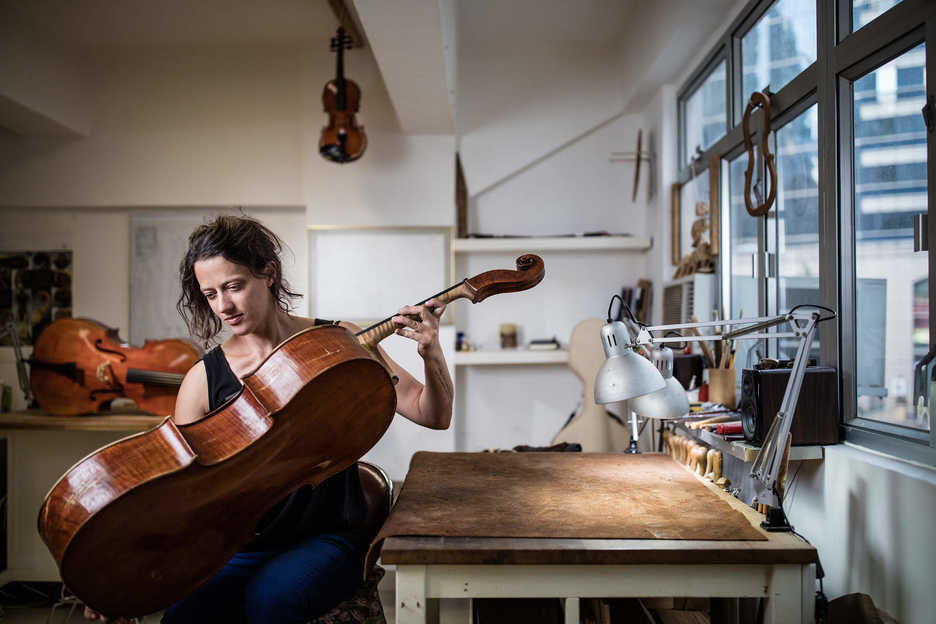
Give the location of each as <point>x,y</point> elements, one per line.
<point>775,566</point>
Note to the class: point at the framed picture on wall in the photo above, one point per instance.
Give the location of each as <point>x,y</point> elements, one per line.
<point>365,274</point>
<point>696,208</point>
<point>35,289</point>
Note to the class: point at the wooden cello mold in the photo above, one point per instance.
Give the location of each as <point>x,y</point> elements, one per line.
<point>759,99</point>
<point>142,522</point>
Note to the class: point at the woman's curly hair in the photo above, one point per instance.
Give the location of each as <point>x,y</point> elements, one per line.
<point>240,240</point>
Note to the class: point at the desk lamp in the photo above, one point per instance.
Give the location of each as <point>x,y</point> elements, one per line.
<point>625,374</point>
<point>671,401</point>
<point>767,464</point>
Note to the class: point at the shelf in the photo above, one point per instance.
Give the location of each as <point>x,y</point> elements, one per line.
<point>510,356</point>
<point>745,451</point>
<point>115,421</point>
<point>557,243</point>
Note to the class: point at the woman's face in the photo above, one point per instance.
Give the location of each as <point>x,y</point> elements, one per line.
<point>240,299</point>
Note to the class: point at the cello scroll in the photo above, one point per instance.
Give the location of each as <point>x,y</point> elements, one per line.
<point>529,272</point>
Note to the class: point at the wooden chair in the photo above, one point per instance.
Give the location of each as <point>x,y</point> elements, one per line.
<point>364,605</point>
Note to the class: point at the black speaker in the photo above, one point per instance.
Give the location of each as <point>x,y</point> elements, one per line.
<point>816,418</point>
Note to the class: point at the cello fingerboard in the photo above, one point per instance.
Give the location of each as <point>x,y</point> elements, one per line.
<point>137,375</point>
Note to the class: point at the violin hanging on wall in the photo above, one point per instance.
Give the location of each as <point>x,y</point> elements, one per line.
<point>342,139</point>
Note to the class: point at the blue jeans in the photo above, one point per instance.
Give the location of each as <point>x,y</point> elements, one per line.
<point>295,584</point>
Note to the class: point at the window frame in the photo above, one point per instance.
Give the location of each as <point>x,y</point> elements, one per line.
<point>709,65</point>
<point>841,57</point>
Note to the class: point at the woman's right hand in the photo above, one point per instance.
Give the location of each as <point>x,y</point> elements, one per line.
<point>91,614</point>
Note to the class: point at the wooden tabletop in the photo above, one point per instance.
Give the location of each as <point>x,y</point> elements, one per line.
<point>116,421</point>
<point>778,548</point>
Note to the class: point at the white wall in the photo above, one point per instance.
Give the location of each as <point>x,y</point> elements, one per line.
<point>870,517</point>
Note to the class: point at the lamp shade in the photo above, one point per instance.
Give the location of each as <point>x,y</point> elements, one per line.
<point>625,374</point>
<point>669,402</point>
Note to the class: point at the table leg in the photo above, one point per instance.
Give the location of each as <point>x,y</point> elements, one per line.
<point>784,604</point>
<point>411,595</point>
<point>572,610</point>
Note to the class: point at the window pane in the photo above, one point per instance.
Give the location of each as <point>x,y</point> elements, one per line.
<point>892,289</point>
<point>779,46</point>
<point>706,113</point>
<point>863,11</point>
<point>797,224</point>
<point>742,247</point>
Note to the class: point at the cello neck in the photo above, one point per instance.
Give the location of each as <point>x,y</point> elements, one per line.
<point>375,333</point>
<point>339,42</point>
<point>529,272</point>
<point>138,375</point>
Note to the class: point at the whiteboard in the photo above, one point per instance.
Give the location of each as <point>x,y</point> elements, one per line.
<point>365,275</point>
<point>158,243</point>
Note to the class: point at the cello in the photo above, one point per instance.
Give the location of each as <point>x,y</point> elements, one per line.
<point>79,366</point>
<point>142,522</point>
<point>342,139</point>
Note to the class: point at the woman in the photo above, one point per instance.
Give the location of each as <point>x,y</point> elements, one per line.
<point>308,552</point>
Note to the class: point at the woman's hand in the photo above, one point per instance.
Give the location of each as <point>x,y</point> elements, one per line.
<point>91,614</point>
<point>424,331</point>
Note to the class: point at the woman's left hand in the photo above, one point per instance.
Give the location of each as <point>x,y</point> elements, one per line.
<point>424,331</point>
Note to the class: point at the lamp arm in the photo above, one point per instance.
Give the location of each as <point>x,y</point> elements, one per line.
<point>767,464</point>
<point>645,334</point>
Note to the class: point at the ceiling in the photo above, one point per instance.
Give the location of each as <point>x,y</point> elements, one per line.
<point>104,23</point>
<point>500,24</point>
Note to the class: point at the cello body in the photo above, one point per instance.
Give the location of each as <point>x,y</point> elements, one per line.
<point>158,513</point>
<point>142,522</point>
<point>78,366</point>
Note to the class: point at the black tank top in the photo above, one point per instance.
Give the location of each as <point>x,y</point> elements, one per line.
<point>336,505</point>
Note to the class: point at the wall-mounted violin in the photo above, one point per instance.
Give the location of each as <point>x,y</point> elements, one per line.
<point>342,139</point>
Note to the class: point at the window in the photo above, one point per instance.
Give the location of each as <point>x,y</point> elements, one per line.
<point>705,113</point>
<point>891,290</point>
<point>794,233</point>
<point>742,252</point>
<point>854,158</point>
<point>863,11</point>
<point>779,46</point>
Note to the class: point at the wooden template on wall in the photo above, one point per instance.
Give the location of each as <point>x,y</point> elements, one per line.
<point>365,274</point>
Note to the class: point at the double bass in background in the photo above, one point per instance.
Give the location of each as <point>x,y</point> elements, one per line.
<point>342,139</point>
<point>78,366</point>
<point>144,521</point>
